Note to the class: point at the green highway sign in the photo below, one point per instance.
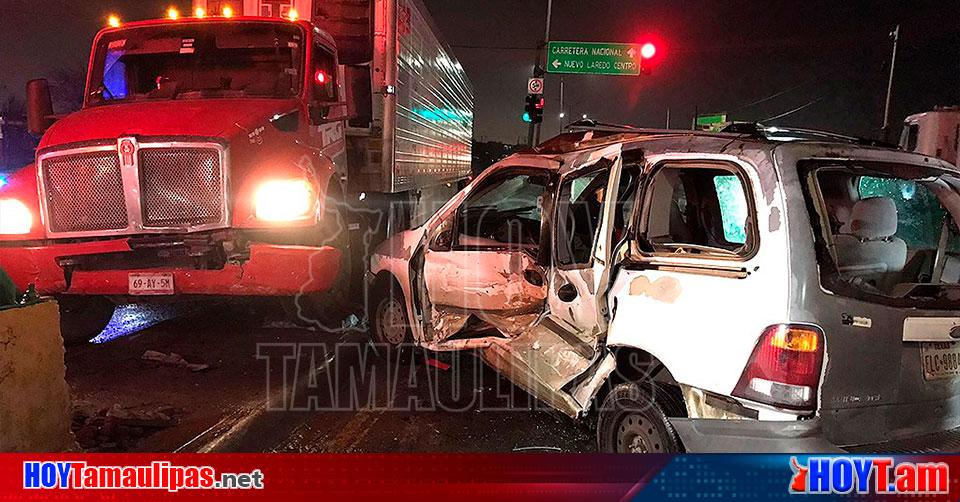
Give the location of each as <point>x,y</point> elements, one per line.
<point>593,58</point>
<point>710,120</point>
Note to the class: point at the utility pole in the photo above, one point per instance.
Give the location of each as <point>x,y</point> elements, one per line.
<point>533,134</point>
<point>895,34</point>
<point>561,114</point>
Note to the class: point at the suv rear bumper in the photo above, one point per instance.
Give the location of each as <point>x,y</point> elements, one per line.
<point>270,270</point>
<point>805,436</point>
<point>752,436</point>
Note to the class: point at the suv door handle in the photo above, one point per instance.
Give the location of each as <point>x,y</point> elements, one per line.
<point>567,293</point>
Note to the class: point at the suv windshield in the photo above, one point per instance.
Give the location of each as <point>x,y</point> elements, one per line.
<point>889,231</point>
<point>197,60</point>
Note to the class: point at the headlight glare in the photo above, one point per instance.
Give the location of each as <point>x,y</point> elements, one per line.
<point>284,200</point>
<point>15,217</point>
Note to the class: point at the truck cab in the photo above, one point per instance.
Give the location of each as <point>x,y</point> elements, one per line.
<point>210,158</point>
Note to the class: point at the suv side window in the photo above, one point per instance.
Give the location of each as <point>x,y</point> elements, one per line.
<point>700,209</point>
<point>579,211</point>
<point>505,212</point>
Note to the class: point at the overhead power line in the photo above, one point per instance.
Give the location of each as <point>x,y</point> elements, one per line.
<point>795,110</point>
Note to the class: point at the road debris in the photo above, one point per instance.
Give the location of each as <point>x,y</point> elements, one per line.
<point>173,359</point>
<point>118,428</point>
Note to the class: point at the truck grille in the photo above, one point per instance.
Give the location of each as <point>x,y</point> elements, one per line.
<point>84,193</point>
<point>94,191</point>
<point>181,186</point>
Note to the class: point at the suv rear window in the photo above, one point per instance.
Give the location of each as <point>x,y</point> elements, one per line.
<point>888,231</point>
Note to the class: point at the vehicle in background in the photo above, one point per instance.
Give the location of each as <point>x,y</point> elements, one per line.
<point>935,133</point>
<point>17,147</point>
<point>772,290</point>
<point>223,154</point>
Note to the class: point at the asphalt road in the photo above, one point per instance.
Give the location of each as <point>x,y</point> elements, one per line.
<point>274,387</point>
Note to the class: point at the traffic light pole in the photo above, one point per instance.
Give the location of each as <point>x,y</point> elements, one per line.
<point>533,133</point>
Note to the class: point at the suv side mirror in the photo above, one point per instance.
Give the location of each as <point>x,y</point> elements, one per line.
<point>443,241</point>
<point>39,107</point>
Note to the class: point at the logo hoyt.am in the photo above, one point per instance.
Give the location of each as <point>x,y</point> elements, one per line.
<point>877,475</point>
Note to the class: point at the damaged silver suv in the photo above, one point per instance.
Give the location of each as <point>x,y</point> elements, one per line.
<point>766,290</point>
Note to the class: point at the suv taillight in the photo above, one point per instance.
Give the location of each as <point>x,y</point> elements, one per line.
<point>784,369</point>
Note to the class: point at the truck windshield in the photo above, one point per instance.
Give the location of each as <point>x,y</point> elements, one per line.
<point>197,60</point>
<point>889,231</point>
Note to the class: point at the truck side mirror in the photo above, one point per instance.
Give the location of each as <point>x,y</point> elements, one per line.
<point>319,112</point>
<point>39,107</point>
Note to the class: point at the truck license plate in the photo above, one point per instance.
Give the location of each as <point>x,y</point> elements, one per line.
<point>940,360</point>
<point>151,284</point>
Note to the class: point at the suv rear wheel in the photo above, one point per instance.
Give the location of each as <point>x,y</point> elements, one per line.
<point>631,421</point>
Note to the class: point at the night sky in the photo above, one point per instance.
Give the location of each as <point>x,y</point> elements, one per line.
<point>827,58</point>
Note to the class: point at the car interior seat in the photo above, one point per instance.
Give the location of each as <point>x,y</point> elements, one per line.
<point>867,247</point>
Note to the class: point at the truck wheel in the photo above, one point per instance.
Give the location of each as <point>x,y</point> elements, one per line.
<point>83,317</point>
<point>630,421</point>
<point>388,311</point>
<point>327,309</point>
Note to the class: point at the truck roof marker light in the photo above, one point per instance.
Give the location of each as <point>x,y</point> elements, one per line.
<point>293,15</point>
<point>227,11</point>
<point>173,13</point>
<point>113,21</point>
<point>200,13</point>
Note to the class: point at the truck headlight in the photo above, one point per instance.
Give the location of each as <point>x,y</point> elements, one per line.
<point>15,218</point>
<point>284,200</point>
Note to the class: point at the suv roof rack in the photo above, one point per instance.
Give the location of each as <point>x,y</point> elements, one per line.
<point>752,129</point>
<point>774,133</point>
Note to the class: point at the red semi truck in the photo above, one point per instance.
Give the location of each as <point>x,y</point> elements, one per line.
<point>219,154</point>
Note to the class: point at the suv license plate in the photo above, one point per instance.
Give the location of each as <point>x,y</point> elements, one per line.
<point>151,284</point>
<point>940,360</point>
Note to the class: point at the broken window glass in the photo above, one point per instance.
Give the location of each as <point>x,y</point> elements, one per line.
<point>579,211</point>
<point>697,209</point>
<point>504,212</point>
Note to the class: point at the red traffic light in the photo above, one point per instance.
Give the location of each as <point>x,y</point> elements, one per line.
<point>321,77</point>
<point>648,50</point>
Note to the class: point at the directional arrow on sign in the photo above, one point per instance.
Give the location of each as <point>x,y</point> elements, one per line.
<point>593,58</point>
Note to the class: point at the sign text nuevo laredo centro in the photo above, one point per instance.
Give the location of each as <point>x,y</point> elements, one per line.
<point>594,58</point>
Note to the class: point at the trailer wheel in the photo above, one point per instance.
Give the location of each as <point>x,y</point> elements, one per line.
<point>388,313</point>
<point>83,317</point>
<point>631,421</point>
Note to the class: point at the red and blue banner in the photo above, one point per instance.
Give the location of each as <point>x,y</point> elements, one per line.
<point>472,477</point>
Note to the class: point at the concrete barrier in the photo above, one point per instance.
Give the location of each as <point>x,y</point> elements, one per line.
<point>35,408</point>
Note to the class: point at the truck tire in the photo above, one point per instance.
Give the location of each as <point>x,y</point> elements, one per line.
<point>388,313</point>
<point>327,309</point>
<point>631,421</point>
<point>82,318</point>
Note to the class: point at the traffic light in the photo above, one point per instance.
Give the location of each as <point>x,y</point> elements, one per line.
<point>533,112</point>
